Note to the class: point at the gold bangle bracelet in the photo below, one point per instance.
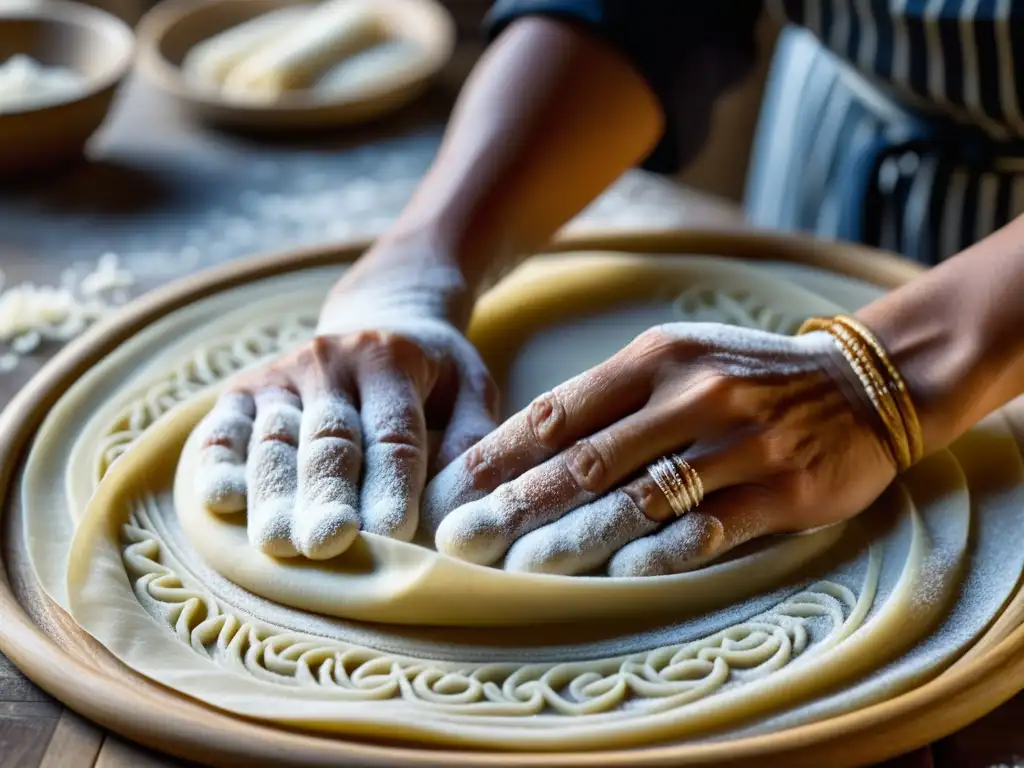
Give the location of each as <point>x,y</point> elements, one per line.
<point>911,423</point>
<point>881,383</point>
<point>888,408</point>
<point>884,405</point>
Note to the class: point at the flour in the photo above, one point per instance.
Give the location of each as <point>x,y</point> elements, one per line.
<point>394,468</point>
<point>208,63</point>
<point>325,515</point>
<point>582,540</point>
<point>33,315</point>
<point>482,531</point>
<point>683,545</point>
<point>226,432</point>
<point>272,472</point>
<point>26,84</point>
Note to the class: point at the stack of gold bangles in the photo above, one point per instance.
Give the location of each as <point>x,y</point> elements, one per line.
<point>882,383</point>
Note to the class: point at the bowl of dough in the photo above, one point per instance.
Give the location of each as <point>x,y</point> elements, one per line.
<point>60,66</point>
<point>290,64</point>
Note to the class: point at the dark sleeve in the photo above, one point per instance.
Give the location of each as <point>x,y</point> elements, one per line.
<point>688,51</point>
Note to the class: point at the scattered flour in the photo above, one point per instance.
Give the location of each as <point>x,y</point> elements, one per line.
<point>32,315</point>
<point>26,84</point>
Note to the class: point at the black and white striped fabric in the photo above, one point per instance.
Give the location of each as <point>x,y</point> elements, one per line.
<point>893,122</point>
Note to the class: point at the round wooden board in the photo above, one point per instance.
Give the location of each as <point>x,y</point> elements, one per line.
<point>59,657</point>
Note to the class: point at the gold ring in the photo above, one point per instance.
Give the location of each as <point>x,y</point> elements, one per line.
<point>679,482</point>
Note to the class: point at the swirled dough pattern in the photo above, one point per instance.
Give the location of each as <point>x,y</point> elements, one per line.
<point>857,621</point>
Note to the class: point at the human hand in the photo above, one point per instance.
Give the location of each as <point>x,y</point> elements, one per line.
<point>781,438</point>
<point>290,440</point>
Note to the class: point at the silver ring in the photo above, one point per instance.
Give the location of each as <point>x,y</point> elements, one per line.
<point>679,482</point>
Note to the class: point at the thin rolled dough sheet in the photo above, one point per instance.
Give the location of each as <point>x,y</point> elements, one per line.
<point>851,621</point>
<point>385,580</point>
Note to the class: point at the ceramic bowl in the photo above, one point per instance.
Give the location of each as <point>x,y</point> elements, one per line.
<point>93,43</point>
<point>174,27</point>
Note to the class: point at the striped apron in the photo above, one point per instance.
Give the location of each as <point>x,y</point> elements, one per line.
<point>893,123</point>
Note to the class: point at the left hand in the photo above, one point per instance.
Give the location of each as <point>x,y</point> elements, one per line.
<point>781,439</point>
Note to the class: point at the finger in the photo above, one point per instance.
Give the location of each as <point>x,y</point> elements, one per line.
<point>585,538</point>
<point>471,419</point>
<point>582,540</point>
<point>473,416</point>
<point>483,530</point>
<point>724,520</point>
<point>225,435</point>
<point>271,472</point>
<point>395,440</point>
<point>326,517</point>
<point>555,420</point>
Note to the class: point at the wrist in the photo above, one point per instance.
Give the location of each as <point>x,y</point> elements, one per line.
<point>950,350</point>
<point>401,275</point>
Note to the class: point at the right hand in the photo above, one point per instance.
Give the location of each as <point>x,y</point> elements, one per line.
<point>333,437</point>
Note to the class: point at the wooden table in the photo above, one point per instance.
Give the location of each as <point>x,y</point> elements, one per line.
<point>170,197</point>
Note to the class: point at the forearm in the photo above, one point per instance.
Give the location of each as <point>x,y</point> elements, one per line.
<point>957,334</point>
<point>549,118</point>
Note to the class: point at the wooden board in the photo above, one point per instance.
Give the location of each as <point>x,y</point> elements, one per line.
<point>58,656</point>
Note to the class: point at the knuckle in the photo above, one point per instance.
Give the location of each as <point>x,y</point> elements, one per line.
<point>764,449</point>
<point>481,470</point>
<point>366,339</point>
<point>218,440</point>
<point>708,537</point>
<point>384,349</point>
<point>404,452</point>
<point>546,419</point>
<point>648,498</point>
<point>320,348</point>
<point>340,432</point>
<point>400,441</point>
<point>278,435</point>
<point>654,343</point>
<point>588,466</point>
<point>719,389</point>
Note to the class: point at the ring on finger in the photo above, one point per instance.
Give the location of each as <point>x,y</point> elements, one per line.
<point>679,482</point>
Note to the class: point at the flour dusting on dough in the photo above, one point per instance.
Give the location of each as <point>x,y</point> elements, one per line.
<point>682,545</point>
<point>395,464</point>
<point>582,540</point>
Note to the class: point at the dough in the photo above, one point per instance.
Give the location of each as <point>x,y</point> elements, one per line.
<point>333,31</point>
<point>886,609</point>
<point>207,64</point>
<point>368,67</point>
<point>386,580</point>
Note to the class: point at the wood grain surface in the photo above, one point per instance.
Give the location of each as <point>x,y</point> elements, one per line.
<point>151,172</point>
